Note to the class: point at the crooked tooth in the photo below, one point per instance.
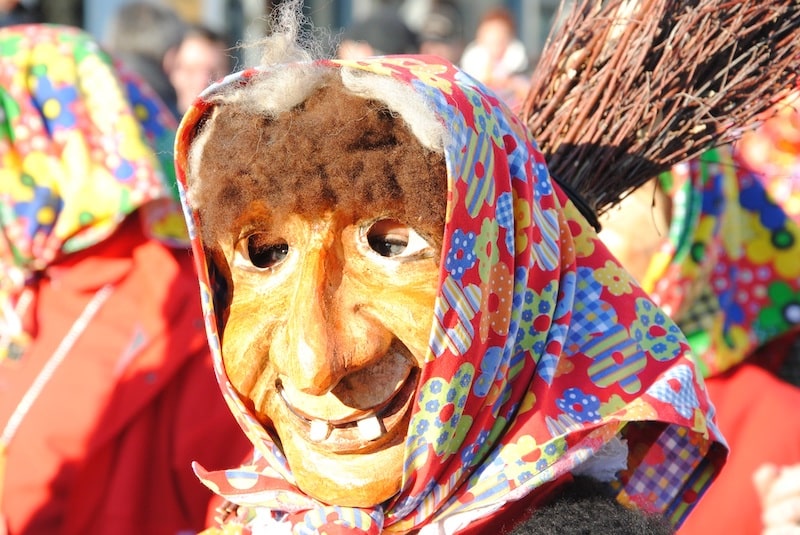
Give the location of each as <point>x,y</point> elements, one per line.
<point>370,428</point>
<point>319,430</point>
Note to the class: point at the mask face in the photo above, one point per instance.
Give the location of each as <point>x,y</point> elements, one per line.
<point>332,278</point>
<point>327,330</point>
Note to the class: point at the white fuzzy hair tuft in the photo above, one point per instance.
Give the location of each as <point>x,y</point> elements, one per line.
<point>288,41</point>
<point>401,99</point>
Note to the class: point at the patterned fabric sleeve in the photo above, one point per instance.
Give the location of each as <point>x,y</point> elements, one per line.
<point>81,147</point>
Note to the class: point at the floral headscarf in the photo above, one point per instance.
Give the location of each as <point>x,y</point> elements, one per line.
<point>728,271</point>
<point>82,145</point>
<point>543,351</point>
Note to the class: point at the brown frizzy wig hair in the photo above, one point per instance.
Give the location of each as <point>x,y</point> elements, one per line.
<point>331,147</point>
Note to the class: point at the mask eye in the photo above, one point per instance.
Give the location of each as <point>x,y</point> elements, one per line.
<point>262,252</point>
<point>391,238</point>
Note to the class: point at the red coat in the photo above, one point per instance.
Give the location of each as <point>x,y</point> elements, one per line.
<point>107,447</point>
<point>757,414</point>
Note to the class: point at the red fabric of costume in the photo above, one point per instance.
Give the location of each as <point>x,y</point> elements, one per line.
<point>107,447</point>
<point>107,393</point>
<point>748,421</point>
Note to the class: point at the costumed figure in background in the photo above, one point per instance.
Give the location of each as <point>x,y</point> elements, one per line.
<point>773,152</point>
<point>145,36</point>
<point>625,91</point>
<point>415,327</point>
<point>725,267</point>
<point>104,366</point>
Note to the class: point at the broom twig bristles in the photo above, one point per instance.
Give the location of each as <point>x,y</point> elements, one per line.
<point>625,89</point>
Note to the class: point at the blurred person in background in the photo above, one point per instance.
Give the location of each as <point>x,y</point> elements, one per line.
<point>442,32</point>
<point>17,12</point>
<point>497,57</point>
<point>383,32</point>
<point>145,36</point>
<point>106,388</point>
<point>773,151</point>
<point>201,58</point>
<point>68,12</point>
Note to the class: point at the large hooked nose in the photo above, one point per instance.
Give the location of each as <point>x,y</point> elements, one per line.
<point>329,326</point>
<point>303,348</point>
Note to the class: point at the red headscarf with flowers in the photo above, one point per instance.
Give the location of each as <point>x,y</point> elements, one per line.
<point>544,354</point>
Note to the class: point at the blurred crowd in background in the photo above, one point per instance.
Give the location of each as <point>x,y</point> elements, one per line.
<point>510,33</point>
<point>240,18</point>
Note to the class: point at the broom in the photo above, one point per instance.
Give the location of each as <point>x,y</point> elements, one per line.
<point>625,89</point>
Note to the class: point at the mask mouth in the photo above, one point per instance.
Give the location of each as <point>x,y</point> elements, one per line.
<point>361,431</point>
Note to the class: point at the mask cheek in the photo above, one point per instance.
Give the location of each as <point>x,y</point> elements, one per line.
<point>409,317</point>
<point>245,349</point>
